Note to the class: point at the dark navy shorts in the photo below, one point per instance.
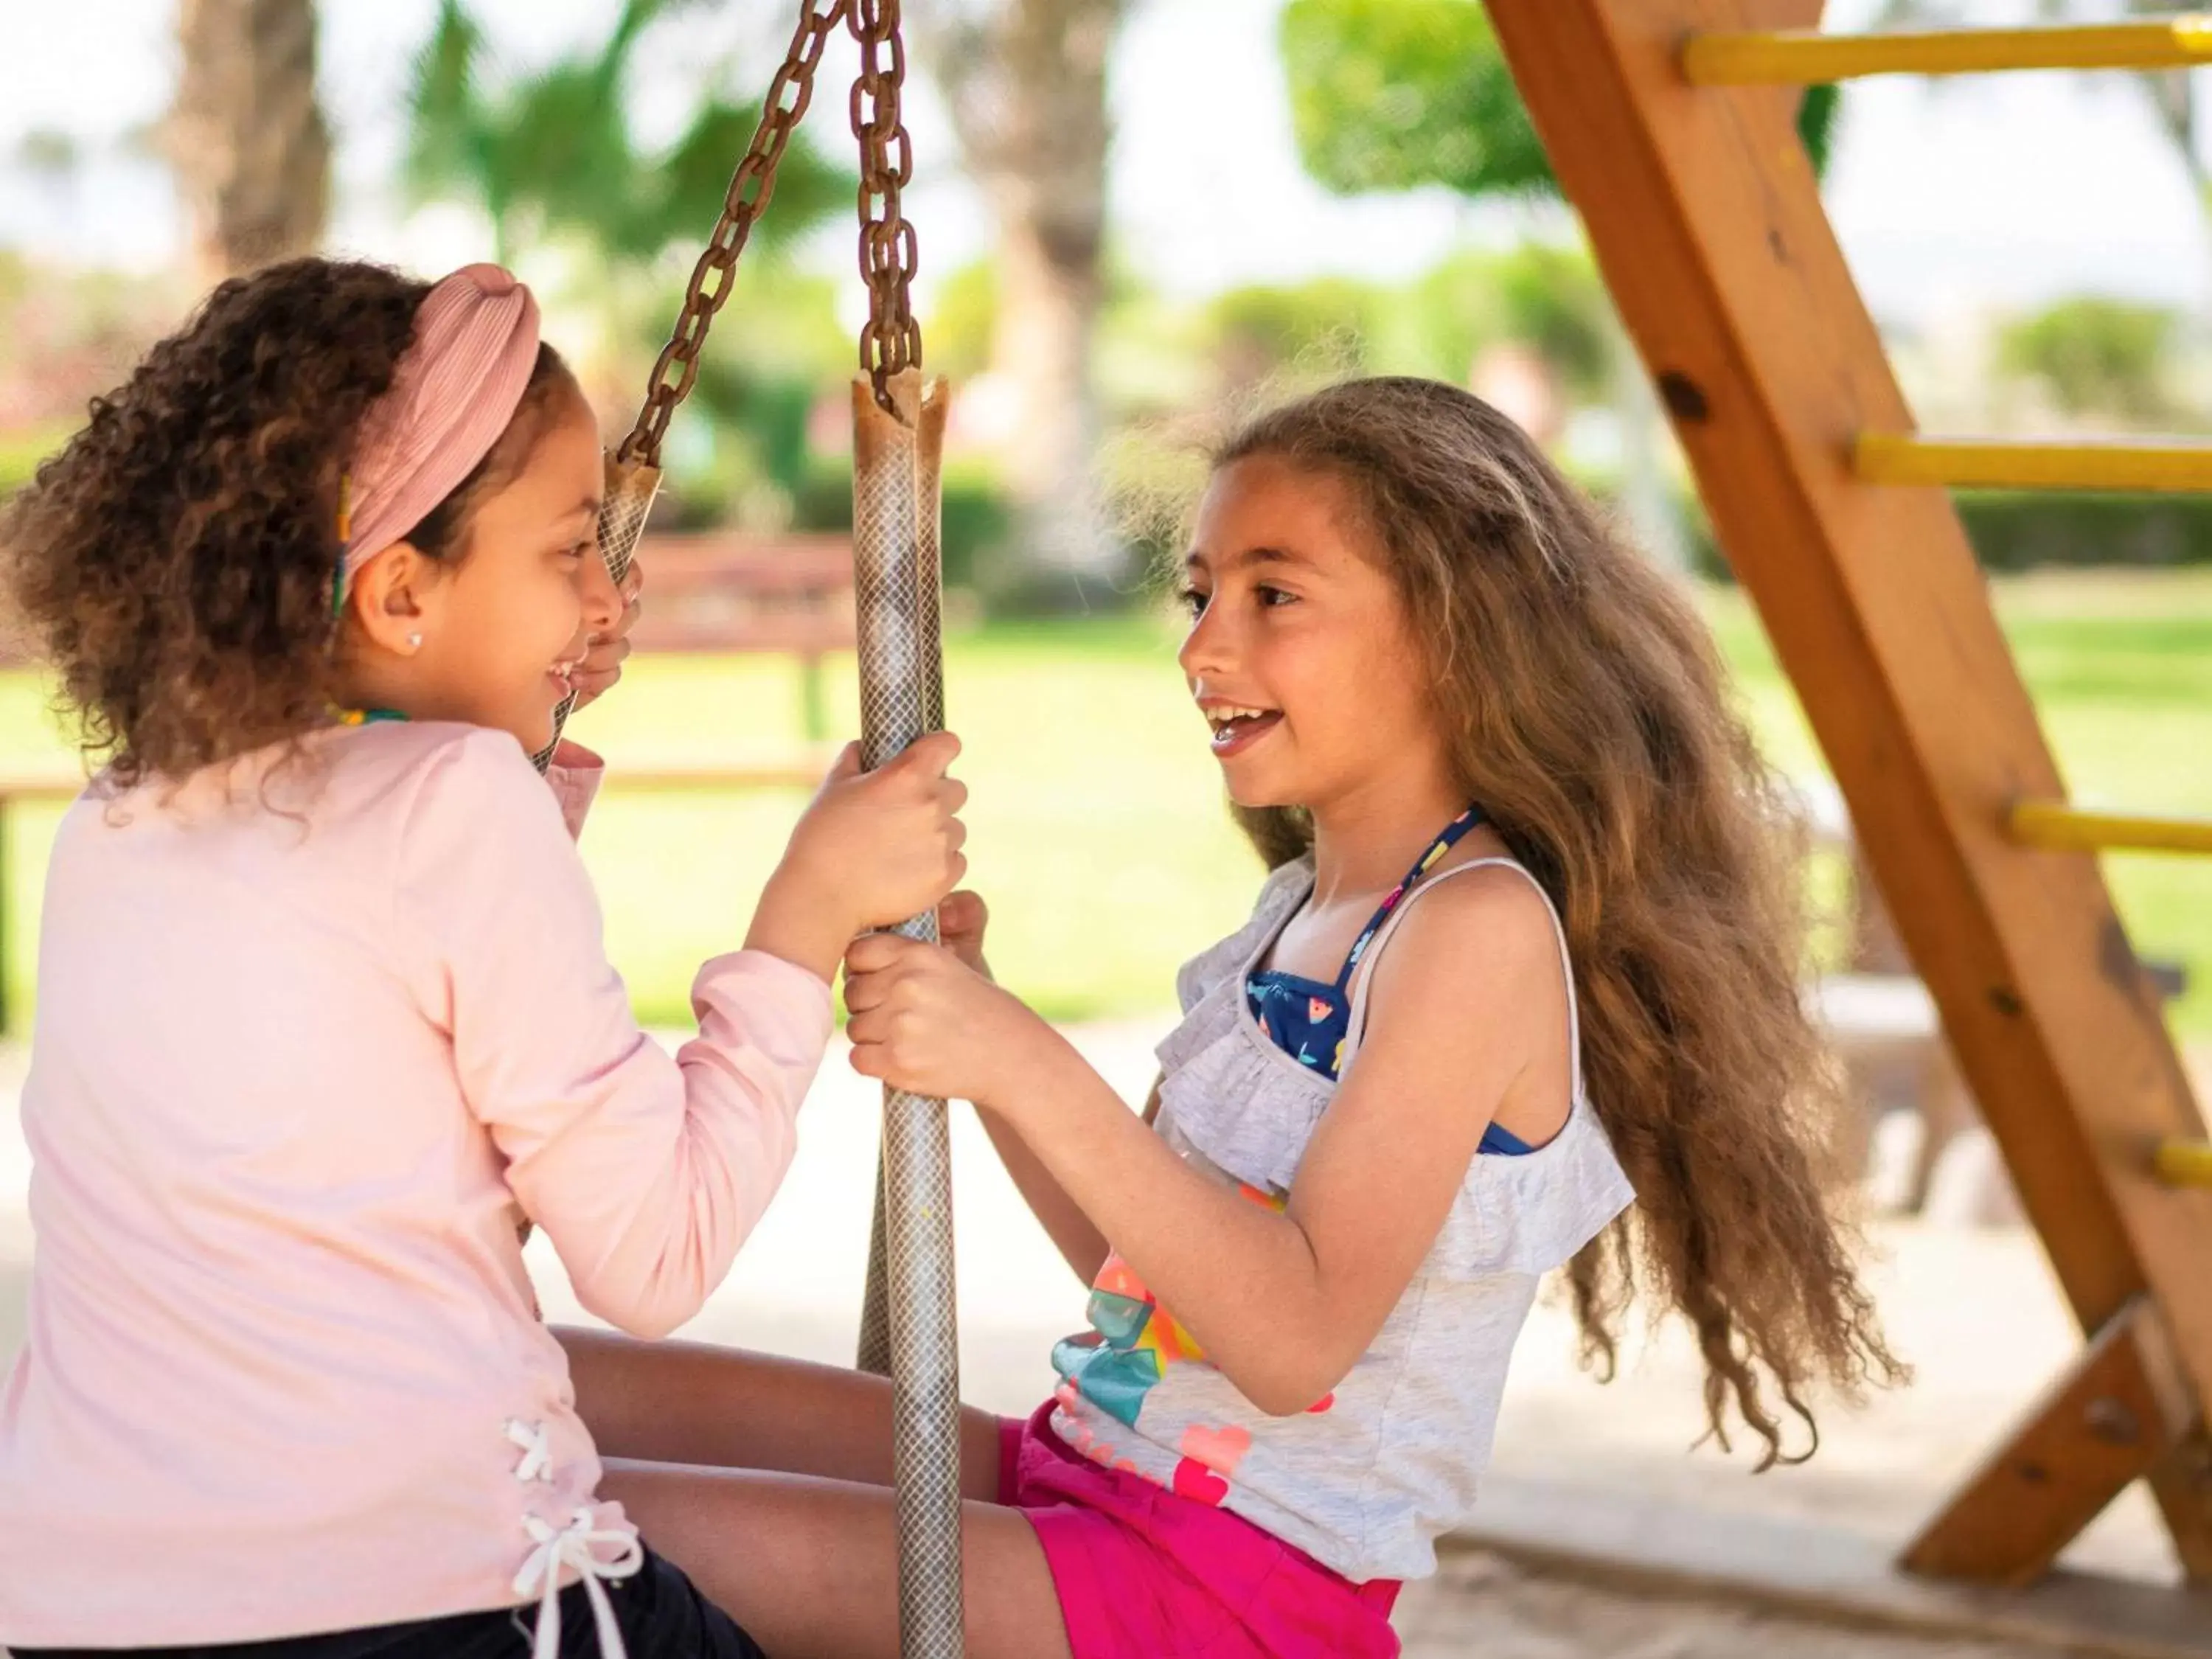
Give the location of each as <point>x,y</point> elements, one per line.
<point>661,1616</point>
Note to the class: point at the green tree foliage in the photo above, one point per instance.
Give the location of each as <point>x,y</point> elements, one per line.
<point>1326,326</point>
<point>965,320</point>
<point>1436,326</point>
<point>549,156</point>
<point>551,151</point>
<point>1394,95</point>
<point>1546,296</point>
<point>2097,356</point>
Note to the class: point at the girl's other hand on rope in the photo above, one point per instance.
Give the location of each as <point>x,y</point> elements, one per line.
<point>961,920</point>
<point>889,840</point>
<point>924,1021</point>
<point>874,849</point>
<point>602,666</point>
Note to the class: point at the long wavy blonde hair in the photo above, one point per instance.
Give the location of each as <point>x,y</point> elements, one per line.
<point>1584,703</point>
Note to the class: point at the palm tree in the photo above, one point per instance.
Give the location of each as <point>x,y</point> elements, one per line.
<point>245,134</point>
<point>1025,81</point>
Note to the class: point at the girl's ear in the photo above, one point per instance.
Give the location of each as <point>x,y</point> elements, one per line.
<point>393,596</point>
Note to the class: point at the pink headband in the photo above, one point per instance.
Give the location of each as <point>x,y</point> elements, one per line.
<point>458,387</point>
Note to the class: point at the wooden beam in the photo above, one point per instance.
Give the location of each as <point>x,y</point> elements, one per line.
<point>2182,1483</point>
<point>1785,15</point>
<point>2178,464</point>
<point>2120,1411</point>
<point>2055,826</point>
<point>2185,1163</point>
<point>1707,223</point>
<point>1804,56</point>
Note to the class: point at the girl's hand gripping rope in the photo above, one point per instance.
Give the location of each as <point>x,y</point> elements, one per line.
<point>874,849</point>
<point>961,923</point>
<point>602,664</point>
<point>926,1022</point>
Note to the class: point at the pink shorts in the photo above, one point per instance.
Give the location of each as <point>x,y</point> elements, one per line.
<point>1145,1573</point>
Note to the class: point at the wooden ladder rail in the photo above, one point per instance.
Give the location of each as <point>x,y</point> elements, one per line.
<point>1707,224</point>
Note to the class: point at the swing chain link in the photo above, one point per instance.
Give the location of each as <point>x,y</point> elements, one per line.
<point>751,186</point>
<point>889,254</point>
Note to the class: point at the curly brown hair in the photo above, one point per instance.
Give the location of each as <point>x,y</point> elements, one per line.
<point>1584,704</point>
<point>176,562</point>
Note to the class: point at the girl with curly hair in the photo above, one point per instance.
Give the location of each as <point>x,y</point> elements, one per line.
<point>1520,995</point>
<point>324,1019</point>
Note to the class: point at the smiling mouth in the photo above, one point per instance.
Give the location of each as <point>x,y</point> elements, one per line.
<point>1236,728</point>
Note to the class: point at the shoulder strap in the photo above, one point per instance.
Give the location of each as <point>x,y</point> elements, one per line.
<point>1356,1027</point>
<point>1436,849</point>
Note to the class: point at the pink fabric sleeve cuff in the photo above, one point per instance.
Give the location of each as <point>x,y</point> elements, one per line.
<point>809,995</point>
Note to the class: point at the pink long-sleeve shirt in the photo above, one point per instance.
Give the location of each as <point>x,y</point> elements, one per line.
<point>300,1069</point>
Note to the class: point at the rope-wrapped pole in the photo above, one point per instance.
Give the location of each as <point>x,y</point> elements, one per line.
<point>896,452</point>
<point>630,487</point>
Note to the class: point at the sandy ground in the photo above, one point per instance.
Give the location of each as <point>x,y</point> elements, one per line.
<point>1482,1607</point>
<point>1975,1311</point>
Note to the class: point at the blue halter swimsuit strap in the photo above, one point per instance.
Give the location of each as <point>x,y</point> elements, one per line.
<point>1308,1020</point>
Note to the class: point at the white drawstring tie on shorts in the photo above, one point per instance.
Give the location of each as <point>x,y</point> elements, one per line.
<point>572,1548</point>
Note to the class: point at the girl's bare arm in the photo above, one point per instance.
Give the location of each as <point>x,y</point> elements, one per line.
<point>1080,1243</point>
<point>1286,1298</point>
<point>961,921</point>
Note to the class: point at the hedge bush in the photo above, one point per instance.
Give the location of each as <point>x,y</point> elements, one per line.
<point>2023,530</point>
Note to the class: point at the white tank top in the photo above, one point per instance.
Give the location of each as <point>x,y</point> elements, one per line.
<point>1366,1480</point>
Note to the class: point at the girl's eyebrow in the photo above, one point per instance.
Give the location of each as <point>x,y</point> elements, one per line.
<point>1196,559</point>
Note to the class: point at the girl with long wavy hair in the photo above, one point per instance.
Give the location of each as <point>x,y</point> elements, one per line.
<point>1520,993</point>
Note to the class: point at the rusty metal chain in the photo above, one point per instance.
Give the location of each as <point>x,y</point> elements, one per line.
<point>751,186</point>
<point>889,252</point>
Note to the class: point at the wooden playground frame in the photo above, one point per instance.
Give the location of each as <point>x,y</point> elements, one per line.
<point>1708,226</point>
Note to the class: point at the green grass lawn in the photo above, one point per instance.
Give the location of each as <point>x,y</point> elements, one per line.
<point>2120,664</point>
<point>1098,832</point>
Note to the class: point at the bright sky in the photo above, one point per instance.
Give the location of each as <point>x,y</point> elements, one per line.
<point>2004,191</point>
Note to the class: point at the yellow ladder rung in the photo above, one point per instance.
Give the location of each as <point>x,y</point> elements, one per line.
<point>2053,826</point>
<point>2156,465</point>
<point>1807,57</point>
<point>2185,1163</point>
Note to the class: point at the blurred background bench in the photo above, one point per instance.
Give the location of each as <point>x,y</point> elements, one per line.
<point>717,593</point>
